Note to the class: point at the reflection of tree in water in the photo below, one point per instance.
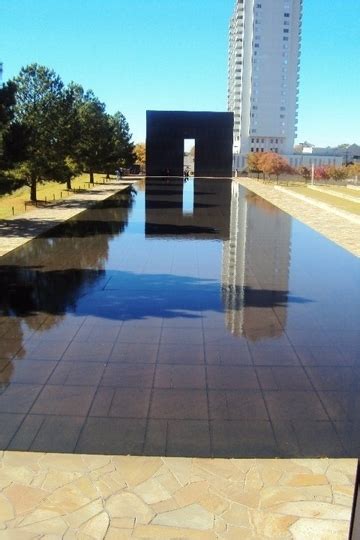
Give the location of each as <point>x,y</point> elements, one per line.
<point>49,274</point>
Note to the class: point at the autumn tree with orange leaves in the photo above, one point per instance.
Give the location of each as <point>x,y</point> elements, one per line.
<point>273,164</point>
<point>253,163</point>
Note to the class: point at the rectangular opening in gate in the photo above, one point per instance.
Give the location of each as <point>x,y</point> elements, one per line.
<point>189,157</point>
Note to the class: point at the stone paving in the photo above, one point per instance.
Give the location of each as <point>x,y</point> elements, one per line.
<point>88,497</point>
<point>325,221</point>
<point>121,497</point>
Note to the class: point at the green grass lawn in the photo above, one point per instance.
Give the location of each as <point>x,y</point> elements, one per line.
<point>344,190</point>
<point>14,203</point>
<point>341,204</point>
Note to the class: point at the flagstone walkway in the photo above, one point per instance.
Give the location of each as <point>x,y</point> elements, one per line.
<point>122,497</point>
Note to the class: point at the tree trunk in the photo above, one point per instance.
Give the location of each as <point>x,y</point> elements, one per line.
<point>68,183</point>
<point>33,189</point>
<point>91,177</point>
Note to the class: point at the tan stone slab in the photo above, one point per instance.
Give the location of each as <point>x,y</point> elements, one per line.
<point>157,532</point>
<point>129,505</point>
<point>319,529</point>
<point>269,525</point>
<point>193,516</point>
<point>314,509</point>
<point>152,491</point>
<point>82,515</point>
<point>7,511</point>
<point>135,470</point>
<point>97,526</point>
<point>24,498</point>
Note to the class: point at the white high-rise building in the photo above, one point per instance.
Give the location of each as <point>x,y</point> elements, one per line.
<point>264,63</point>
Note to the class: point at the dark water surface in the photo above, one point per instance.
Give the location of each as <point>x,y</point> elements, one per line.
<point>190,319</point>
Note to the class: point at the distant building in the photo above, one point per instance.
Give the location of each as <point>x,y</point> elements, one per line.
<point>1,72</point>
<point>307,159</point>
<point>307,154</point>
<point>263,77</point>
<point>347,153</point>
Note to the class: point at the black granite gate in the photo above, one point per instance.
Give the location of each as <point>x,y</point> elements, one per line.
<point>165,134</point>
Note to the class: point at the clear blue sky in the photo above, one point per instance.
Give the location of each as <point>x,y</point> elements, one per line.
<point>172,54</point>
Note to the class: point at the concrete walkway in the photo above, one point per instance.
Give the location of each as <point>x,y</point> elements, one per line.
<point>325,221</point>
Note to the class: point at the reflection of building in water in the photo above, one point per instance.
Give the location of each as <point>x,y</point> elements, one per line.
<point>255,266</point>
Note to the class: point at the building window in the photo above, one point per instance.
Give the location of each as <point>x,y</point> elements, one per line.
<point>258,6</point>
<point>285,38</point>
<point>286,14</point>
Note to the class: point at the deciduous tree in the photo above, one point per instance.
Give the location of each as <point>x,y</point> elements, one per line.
<point>140,153</point>
<point>305,172</point>
<point>321,173</point>
<point>337,173</point>
<point>253,162</point>
<point>354,170</point>
<point>271,163</point>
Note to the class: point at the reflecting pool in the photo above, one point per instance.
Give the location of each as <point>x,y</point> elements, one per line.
<point>181,318</point>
